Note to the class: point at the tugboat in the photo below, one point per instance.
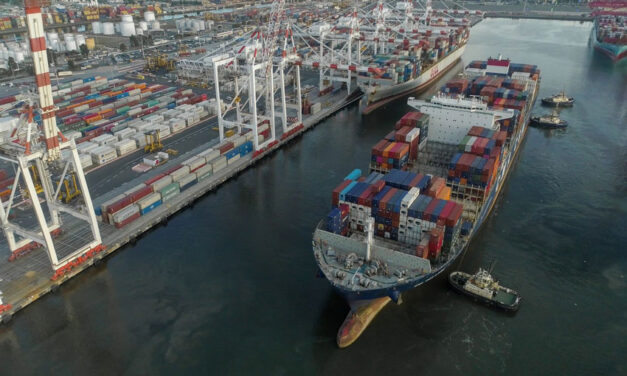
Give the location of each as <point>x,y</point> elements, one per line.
<point>481,286</point>
<point>558,100</point>
<point>551,121</point>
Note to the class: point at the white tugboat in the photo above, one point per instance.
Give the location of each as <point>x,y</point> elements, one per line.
<point>558,100</point>
<point>483,287</point>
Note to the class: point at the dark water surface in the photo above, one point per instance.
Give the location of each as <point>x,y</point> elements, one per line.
<point>229,286</point>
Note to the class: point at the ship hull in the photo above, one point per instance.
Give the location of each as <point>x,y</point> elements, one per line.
<point>614,51</point>
<point>385,94</point>
<point>358,298</point>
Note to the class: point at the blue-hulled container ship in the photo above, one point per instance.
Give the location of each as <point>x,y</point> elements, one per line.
<point>433,181</point>
<point>609,34</point>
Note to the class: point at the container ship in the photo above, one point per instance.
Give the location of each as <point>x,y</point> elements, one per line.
<point>609,34</point>
<point>411,67</point>
<point>433,181</point>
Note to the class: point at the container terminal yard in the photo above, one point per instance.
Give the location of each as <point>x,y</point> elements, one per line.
<point>90,162</point>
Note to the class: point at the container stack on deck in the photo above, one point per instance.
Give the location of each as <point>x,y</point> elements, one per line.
<point>407,59</point>
<point>400,147</point>
<point>92,107</point>
<point>411,208</point>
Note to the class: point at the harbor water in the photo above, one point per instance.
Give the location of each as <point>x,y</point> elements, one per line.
<point>229,286</point>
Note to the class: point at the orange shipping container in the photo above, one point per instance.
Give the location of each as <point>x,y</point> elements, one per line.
<point>386,151</point>
<point>93,119</point>
<point>445,194</point>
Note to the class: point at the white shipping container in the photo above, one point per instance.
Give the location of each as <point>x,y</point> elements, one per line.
<point>412,135</point>
<point>316,107</point>
<point>194,162</point>
<point>125,213</point>
<point>161,183</point>
<point>105,139</point>
<point>148,200</point>
<point>140,126</point>
<point>103,154</point>
<point>262,128</point>
<point>238,140</point>
<point>178,174</point>
<point>204,170</point>
<point>154,119</point>
<point>125,146</point>
<point>86,160</point>
<point>73,135</point>
<point>187,179</point>
<point>163,129</point>
<point>134,111</point>
<point>219,161</point>
<point>125,133</point>
<point>176,125</point>
<point>209,154</point>
<point>140,139</point>
<point>82,108</point>
<point>86,147</point>
<point>233,159</point>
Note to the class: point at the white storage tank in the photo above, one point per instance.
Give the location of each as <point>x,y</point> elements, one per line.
<point>53,36</point>
<point>127,18</point>
<point>70,45</point>
<point>149,16</point>
<point>96,27</point>
<point>127,29</point>
<point>80,40</point>
<point>143,25</point>
<point>107,28</point>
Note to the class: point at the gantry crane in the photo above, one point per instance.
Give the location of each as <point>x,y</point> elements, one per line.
<point>36,154</point>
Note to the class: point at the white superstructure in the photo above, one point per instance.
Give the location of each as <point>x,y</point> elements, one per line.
<point>452,117</point>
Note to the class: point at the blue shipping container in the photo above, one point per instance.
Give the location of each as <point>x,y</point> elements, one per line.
<point>148,209</point>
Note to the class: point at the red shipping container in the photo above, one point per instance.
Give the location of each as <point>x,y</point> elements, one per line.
<point>171,170</point>
<point>141,193</point>
<point>435,242</point>
<point>454,215</point>
<point>119,205</point>
<point>379,147</point>
<point>154,179</point>
<point>444,214</point>
<point>386,198</point>
<point>413,149</point>
<point>429,209</point>
<point>335,194</point>
<point>6,182</point>
<point>127,220</point>
<point>401,134</point>
<point>226,147</point>
<point>378,186</point>
<point>6,100</point>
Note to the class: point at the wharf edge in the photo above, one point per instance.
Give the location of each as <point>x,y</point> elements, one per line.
<point>131,233</point>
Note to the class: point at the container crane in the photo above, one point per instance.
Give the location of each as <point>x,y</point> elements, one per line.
<point>36,158</point>
<point>270,52</point>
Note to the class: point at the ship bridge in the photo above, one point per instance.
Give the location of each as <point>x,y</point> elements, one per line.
<point>452,117</point>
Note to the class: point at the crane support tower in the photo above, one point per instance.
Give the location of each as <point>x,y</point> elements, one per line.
<point>258,70</point>
<point>30,154</point>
